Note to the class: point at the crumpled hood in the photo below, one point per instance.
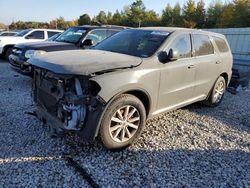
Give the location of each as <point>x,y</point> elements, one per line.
<point>83,62</point>
<point>46,46</point>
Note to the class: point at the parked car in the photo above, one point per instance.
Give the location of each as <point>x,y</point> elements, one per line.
<point>8,33</point>
<point>112,89</point>
<point>74,38</point>
<point>27,35</point>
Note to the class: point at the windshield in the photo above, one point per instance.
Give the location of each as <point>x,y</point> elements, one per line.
<point>140,43</point>
<point>71,35</point>
<point>22,33</point>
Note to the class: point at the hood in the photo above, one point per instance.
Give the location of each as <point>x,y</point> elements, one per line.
<point>46,46</point>
<point>83,62</point>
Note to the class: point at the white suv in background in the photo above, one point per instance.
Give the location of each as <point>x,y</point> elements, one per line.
<point>27,35</point>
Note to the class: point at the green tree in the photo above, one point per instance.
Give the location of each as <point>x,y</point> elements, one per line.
<point>241,13</point>
<point>117,18</point>
<point>151,19</point>
<point>101,18</point>
<point>61,23</point>
<point>214,12</point>
<point>167,18</point>
<point>226,19</point>
<point>84,20</point>
<point>200,14</point>
<point>177,17</point>
<point>136,13</point>
<point>109,18</point>
<point>189,11</point>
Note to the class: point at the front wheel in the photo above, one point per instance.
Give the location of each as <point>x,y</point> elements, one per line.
<point>217,93</point>
<point>123,122</point>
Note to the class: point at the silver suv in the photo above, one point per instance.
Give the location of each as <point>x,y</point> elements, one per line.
<point>110,91</point>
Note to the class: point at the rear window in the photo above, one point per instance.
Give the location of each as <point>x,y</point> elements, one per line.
<point>202,45</point>
<point>221,44</point>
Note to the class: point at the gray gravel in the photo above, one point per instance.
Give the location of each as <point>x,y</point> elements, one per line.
<point>195,146</point>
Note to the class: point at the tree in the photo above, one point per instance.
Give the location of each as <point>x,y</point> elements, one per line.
<point>117,18</point>
<point>213,14</point>
<point>200,14</point>
<point>151,19</point>
<point>61,23</point>
<point>101,18</point>
<point>2,26</point>
<point>178,20</point>
<point>84,20</point>
<point>110,18</point>
<point>241,13</point>
<point>136,13</point>
<point>226,18</point>
<point>167,18</point>
<point>189,11</point>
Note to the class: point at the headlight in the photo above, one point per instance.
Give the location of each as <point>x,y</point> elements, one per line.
<point>30,53</point>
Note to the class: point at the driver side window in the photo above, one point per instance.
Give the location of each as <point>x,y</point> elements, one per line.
<point>182,44</point>
<point>36,35</point>
<point>97,36</point>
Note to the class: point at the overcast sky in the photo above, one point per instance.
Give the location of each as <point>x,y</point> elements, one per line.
<point>46,10</point>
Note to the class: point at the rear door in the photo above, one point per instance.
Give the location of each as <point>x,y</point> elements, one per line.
<point>177,77</point>
<point>208,64</point>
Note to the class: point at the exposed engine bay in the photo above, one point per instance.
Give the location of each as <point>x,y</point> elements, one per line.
<point>67,102</point>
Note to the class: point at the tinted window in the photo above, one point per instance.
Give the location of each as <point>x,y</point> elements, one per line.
<point>97,35</point>
<point>52,33</point>
<point>202,45</point>
<point>7,34</point>
<point>183,45</point>
<point>221,44</point>
<point>135,42</point>
<point>36,35</point>
<point>71,35</point>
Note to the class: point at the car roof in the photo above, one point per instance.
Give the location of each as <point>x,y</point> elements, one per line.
<point>103,26</point>
<point>180,29</point>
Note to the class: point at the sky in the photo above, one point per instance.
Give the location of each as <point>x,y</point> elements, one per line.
<point>47,10</point>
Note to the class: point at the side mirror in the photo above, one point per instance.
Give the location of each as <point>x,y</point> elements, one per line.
<point>87,42</point>
<point>173,55</point>
<point>163,57</point>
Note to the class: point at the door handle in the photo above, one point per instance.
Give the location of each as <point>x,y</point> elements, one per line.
<point>218,62</point>
<point>191,66</point>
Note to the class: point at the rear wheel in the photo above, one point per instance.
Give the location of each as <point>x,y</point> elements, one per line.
<point>7,53</point>
<point>217,93</point>
<point>123,122</point>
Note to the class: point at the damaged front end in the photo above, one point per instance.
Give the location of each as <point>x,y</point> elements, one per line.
<point>67,102</point>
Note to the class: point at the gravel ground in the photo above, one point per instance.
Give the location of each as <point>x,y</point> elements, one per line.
<point>195,146</point>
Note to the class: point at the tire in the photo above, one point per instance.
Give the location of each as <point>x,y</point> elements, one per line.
<point>7,53</point>
<point>123,122</point>
<point>217,93</point>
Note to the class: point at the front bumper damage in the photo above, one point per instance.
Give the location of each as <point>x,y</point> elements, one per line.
<point>68,103</point>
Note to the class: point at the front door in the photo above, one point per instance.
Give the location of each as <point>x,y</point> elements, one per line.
<point>177,77</point>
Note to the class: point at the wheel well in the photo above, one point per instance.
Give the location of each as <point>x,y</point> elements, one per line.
<point>225,76</point>
<point>143,98</point>
<point>6,48</point>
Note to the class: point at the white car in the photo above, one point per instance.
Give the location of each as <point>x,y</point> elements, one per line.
<point>27,35</point>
